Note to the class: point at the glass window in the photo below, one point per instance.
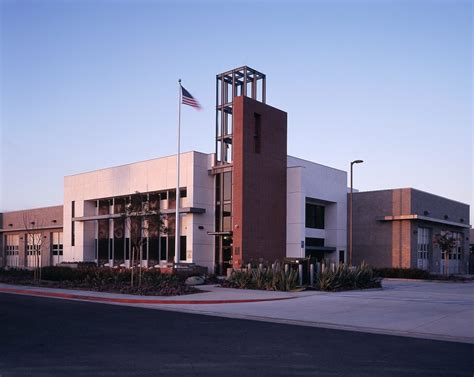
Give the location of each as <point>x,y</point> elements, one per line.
<point>172,199</point>
<point>171,249</point>
<point>153,249</point>
<point>33,246</point>
<point>227,186</point>
<point>423,242</point>
<point>127,248</point>
<point>154,202</point>
<point>57,246</point>
<point>314,242</point>
<point>226,217</point>
<point>218,188</point>
<point>119,205</point>
<point>315,216</point>
<point>182,248</point>
<point>163,248</point>
<point>457,251</point>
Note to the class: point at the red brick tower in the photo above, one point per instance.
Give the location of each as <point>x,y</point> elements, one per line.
<point>250,172</point>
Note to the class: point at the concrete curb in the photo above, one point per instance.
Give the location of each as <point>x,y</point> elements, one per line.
<point>72,296</point>
<point>429,280</point>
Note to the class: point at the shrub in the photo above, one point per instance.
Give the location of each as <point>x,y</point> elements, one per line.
<point>53,273</point>
<point>346,278</point>
<point>403,273</point>
<point>7,274</point>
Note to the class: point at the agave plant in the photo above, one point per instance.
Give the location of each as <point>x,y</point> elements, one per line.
<point>345,278</point>
<point>261,277</point>
<point>241,279</point>
<point>273,278</point>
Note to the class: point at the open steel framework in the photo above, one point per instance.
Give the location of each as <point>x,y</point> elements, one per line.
<point>243,81</point>
<point>237,82</point>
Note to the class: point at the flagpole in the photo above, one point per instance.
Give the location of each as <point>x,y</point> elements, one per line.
<point>177,237</point>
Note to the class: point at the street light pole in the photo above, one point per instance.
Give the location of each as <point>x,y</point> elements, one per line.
<point>350,210</point>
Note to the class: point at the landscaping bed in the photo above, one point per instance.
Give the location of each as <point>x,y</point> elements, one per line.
<point>277,278</point>
<point>103,279</point>
<point>416,273</point>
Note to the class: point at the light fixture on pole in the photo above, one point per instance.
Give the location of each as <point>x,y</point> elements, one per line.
<point>350,211</point>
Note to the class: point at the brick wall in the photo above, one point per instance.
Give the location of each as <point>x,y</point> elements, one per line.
<point>46,220</point>
<point>259,182</point>
<point>394,243</point>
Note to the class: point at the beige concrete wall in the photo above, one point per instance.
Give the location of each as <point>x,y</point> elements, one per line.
<point>145,176</point>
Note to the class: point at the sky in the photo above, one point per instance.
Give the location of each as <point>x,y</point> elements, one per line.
<point>93,84</point>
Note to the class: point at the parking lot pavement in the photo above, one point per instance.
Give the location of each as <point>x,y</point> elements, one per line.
<point>45,337</point>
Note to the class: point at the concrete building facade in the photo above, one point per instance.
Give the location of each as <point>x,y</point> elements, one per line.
<point>396,228</point>
<point>95,229</point>
<point>316,211</point>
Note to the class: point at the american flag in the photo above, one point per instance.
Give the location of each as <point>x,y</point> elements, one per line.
<point>188,99</point>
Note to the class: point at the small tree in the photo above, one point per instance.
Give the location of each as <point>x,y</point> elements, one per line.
<point>446,243</point>
<point>141,217</point>
<point>34,240</point>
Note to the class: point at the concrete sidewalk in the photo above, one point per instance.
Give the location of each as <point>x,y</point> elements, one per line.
<point>431,310</point>
<point>211,294</point>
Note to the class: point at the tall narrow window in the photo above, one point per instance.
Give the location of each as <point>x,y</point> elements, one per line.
<point>182,248</point>
<point>57,247</point>
<point>257,136</point>
<point>227,186</point>
<point>423,245</point>
<point>315,216</point>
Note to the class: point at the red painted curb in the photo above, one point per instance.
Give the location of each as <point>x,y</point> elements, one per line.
<point>131,300</point>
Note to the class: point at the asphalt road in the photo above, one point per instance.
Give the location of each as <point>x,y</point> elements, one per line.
<point>50,337</point>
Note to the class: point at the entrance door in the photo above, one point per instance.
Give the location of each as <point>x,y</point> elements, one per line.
<point>223,254</point>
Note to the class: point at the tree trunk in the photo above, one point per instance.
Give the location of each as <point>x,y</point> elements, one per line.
<point>131,266</point>
<point>446,263</point>
<point>140,267</point>
<point>40,268</point>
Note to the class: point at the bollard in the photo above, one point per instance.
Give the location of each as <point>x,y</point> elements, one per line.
<point>300,273</point>
<point>311,274</point>
<point>333,267</point>
<point>260,266</point>
<point>249,267</point>
<point>286,268</point>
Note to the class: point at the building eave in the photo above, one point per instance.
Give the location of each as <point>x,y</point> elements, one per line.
<point>422,218</point>
<point>31,230</point>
